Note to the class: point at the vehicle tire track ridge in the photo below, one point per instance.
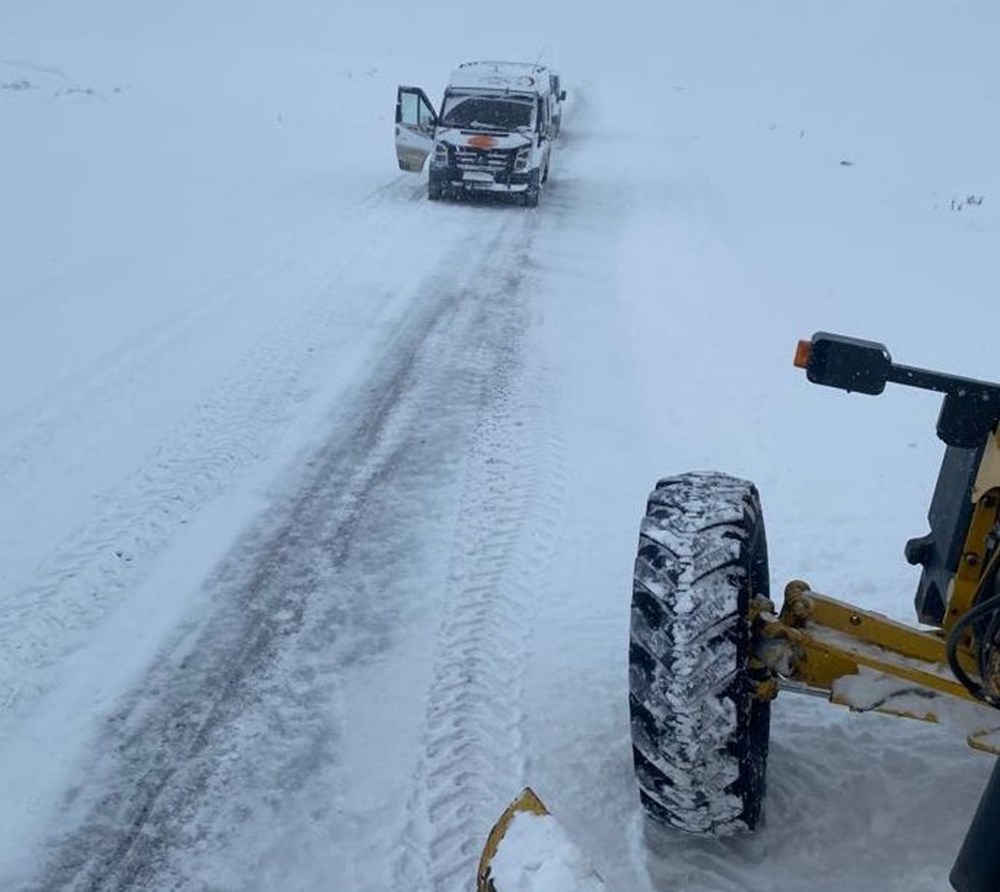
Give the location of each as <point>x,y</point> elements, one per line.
<point>78,585</point>
<point>126,844</point>
<point>219,693</point>
<point>474,736</point>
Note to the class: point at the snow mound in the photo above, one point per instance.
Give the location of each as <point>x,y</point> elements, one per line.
<point>536,855</point>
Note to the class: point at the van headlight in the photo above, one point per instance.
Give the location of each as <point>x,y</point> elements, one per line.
<point>522,158</point>
<point>441,153</point>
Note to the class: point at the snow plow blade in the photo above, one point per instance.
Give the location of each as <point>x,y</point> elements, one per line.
<point>527,851</point>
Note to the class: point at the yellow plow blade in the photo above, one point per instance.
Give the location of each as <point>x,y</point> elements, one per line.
<point>527,851</point>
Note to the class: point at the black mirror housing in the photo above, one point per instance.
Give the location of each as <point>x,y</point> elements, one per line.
<point>849,364</point>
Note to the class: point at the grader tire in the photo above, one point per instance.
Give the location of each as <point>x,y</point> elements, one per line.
<point>699,736</point>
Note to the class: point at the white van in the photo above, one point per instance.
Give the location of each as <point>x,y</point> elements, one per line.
<point>494,133</point>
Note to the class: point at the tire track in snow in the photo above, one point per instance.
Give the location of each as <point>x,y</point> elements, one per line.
<point>246,712</point>
<point>472,713</point>
<point>473,753</point>
<point>230,426</point>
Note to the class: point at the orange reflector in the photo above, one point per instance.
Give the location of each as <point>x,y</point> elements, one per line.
<point>802,351</point>
<point>482,142</point>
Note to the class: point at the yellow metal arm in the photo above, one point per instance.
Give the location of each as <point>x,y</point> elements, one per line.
<point>867,661</point>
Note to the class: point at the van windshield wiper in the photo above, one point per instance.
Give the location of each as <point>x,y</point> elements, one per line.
<point>474,125</point>
<point>481,125</point>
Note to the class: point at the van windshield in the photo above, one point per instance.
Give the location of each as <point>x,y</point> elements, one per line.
<point>487,112</point>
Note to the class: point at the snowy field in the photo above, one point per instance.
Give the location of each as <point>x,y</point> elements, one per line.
<point>320,501</point>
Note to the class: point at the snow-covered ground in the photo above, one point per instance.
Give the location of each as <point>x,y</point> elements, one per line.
<point>319,501</point>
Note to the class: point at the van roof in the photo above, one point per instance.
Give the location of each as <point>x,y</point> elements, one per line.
<point>517,77</point>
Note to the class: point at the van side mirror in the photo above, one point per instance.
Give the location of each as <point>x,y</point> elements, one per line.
<point>562,95</point>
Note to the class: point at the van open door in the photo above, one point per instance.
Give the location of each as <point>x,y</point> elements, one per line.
<point>415,121</point>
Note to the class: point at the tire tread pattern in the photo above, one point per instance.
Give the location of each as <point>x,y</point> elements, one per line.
<point>699,739</point>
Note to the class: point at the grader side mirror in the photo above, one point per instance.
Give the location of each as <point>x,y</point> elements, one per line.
<point>970,410</point>
<point>849,364</point>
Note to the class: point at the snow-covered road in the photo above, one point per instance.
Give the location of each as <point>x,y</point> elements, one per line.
<point>247,725</point>
<point>320,500</point>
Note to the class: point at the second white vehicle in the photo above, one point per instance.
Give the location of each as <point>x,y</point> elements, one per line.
<point>494,133</point>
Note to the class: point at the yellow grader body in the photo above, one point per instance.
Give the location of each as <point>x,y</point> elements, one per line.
<point>704,627</point>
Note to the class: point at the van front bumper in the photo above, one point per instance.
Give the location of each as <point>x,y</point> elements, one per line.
<point>456,179</point>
